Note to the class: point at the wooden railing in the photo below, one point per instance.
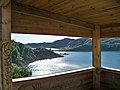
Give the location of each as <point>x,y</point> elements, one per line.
<point>110,79</point>
<point>81,79</point>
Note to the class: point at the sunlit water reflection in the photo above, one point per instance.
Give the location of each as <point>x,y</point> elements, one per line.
<point>74,60</point>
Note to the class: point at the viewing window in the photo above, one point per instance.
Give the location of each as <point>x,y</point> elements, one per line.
<point>110,54</point>
<point>47,54</point>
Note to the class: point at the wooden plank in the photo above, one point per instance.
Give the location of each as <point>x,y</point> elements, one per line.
<point>79,80</point>
<point>111,70</point>
<point>4,2</point>
<point>96,47</point>
<point>96,57</point>
<point>5,45</point>
<point>22,23</point>
<point>109,25</point>
<point>46,14</point>
<point>110,79</point>
<point>110,31</point>
<point>93,11</point>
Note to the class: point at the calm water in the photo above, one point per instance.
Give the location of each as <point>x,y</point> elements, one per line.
<point>74,60</point>
<point>111,59</point>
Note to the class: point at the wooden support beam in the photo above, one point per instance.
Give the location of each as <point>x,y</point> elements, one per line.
<point>5,48</point>
<point>30,20</point>
<point>96,57</point>
<point>4,2</point>
<point>24,23</point>
<point>110,25</point>
<point>96,47</point>
<point>17,7</point>
<point>110,31</point>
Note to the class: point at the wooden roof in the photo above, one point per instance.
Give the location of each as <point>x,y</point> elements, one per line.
<point>92,11</point>
<point>82,13</point>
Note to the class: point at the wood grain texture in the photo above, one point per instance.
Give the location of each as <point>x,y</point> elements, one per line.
<point>110,79</point>
<point>110,31</point>
<point>92,11</point>
<point>23,23</point>
<point>72,81</point>
<point>49,15</point>
<point>79,13</point>
<point>96,57</point>
<point>96,47</point>
<point>5,45</point>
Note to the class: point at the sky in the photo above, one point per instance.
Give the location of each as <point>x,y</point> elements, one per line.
<point>31,38</point>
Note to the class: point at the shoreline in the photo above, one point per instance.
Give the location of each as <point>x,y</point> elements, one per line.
<point>42,59</point>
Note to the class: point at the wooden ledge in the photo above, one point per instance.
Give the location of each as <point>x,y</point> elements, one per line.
<point>112,70</point>
<point>53,75</point>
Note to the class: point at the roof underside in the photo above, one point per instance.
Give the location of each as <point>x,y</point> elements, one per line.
<point>92,11</point>
<point>74,17</point>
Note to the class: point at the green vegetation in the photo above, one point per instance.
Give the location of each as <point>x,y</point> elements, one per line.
<point>22,55</point>
<point>20,71</point>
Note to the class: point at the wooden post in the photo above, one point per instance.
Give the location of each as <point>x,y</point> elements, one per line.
<point>96,57</point>
<point>5,47</point>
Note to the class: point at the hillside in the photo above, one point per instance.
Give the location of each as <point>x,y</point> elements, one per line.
<point>66,42</point>
<point>22,54</point>
<point>81,44</point>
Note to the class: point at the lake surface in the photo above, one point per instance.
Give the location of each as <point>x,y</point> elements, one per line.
<point>72,61</point>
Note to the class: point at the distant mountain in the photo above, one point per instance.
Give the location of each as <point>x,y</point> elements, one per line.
<point>66,42</point>
<point>81,44</point>
<point>112,44</point>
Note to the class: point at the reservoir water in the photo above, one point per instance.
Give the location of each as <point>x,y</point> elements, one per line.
<point>72,61</point>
